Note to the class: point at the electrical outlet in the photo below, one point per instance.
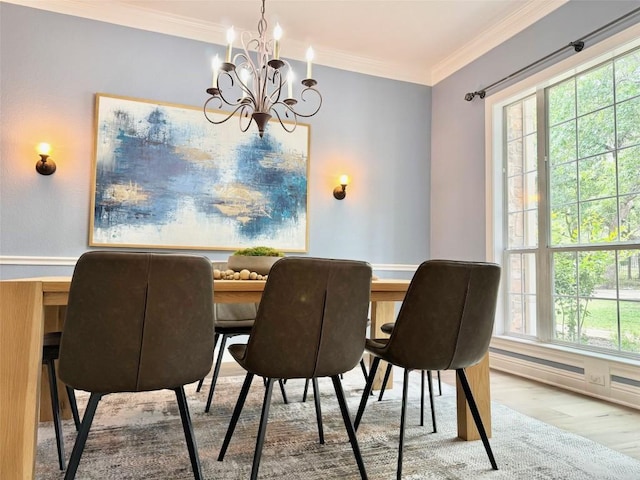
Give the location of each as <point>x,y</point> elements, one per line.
<point>596,379</point>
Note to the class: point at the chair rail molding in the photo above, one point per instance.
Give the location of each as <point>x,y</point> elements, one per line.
<point>71,261</point>
<point>43,261</point>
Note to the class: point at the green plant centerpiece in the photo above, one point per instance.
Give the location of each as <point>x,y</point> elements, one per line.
<point>252,263</point>
<point>259,252</point>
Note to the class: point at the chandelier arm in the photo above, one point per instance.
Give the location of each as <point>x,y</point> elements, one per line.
<point>277,91</point>
<point>229,114</point>
<point>243,129</point>
<point>295,119</point>
<point>247,63</point>
<point>231,103</point>
<point>264,98</point>
<point>302,94</point>
<point>244,114</point>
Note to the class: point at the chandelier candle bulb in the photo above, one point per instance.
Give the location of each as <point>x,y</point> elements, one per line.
<point>244,77</point>
<point>231,36</point>
<point>215,66</point>
<point>290,78</point>
<point>309,60</point>
<point>277,35</point>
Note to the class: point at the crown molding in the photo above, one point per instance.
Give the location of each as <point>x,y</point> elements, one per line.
<point>525,16</point>
<point>132,16</point>
<point>147,19</point>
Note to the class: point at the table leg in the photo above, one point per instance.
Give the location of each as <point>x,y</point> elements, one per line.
<point>53,322</point>
<point>21,330</point>
<point>478,377</point>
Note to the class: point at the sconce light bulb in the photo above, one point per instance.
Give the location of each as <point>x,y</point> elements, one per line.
<point>43,148</point>
<point>340,192</point>
<point>46,165</point>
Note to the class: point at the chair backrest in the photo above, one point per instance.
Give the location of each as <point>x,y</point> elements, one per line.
<point>446,319</point>
<point>312,318</point>
<point>137,322</point>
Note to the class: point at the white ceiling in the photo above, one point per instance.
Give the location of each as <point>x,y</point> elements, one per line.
<point>421,41</point>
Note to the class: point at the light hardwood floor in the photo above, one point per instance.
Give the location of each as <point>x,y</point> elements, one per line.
<point>614,426</point>
<point>611,425</point>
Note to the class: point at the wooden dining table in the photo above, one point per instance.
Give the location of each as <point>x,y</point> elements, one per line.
<point>32,306</point>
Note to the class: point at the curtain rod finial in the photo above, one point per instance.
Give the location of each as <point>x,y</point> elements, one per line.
<point>578,45</point>
<point>471,95</point>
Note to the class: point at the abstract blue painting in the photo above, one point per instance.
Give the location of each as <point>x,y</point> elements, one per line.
<point>164,177</point>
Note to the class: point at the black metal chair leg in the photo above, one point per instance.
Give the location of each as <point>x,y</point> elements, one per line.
<point>364,370</point>
<point>316,401</point>
<point>367,391</point>
<point>403,415</point>
<point>439,384</point>
<point>262,429</point>
<point>236,415</point>
<point>216,371</point>
<point>215,342</point>
<point>422,397</point>
<point>55,410</point>
<point>283,391</point>
<point>306,390</point>
<point>81,438</point>
<point>387,373</point>
<point>74,406</point>
<point>337,385</point>
<point>476,415</point>
<point>188,433</point>
<point>433,410</point>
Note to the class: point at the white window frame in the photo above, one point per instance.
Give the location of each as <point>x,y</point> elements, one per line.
<point>494,128</point>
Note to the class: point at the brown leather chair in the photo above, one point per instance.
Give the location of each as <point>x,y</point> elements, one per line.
<point>445,323</point>
<point>50,353</point>
<point>311,323</point>
<point>137,322</point>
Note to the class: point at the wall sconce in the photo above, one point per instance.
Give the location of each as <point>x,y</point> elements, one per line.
<point>45,166</point>
<point>341,191</point>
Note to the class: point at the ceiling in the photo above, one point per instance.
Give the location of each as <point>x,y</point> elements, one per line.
<point>421,41</point>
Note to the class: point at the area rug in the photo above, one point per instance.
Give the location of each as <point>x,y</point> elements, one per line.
<point>139,436</point>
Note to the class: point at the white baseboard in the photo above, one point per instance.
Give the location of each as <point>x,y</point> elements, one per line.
<point>600,376</point>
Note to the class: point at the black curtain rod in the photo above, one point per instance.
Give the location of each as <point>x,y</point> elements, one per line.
<point>577,45</point>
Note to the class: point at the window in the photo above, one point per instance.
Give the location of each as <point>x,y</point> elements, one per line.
<point>570,207</point>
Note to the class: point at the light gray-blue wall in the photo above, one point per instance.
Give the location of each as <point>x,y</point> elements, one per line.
<point>458,127</point>
<point>376,130</point>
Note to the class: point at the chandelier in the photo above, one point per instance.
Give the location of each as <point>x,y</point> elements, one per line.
<point>254,85</point>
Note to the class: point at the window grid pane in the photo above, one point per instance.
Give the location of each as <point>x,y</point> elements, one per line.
<point>522,298</point>
<point>521,173</point>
